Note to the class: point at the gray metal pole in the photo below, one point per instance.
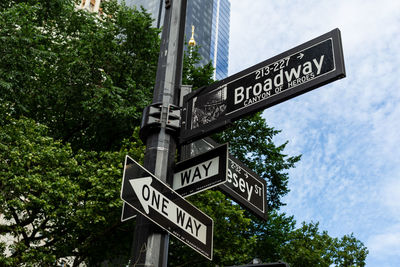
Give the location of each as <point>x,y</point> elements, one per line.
<point>150,243</point>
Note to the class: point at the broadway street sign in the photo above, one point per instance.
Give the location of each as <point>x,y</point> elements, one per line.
<point>162,205</point>
<point>292,73</point>
<point>201,172</point>
<point>243,185</point>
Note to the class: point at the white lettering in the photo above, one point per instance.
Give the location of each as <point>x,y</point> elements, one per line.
<point>293,73</point>
<point>307,68</point>
<point>249,191</point>
<point>235,182</point>
<point>247,92</point>
<point>229,179</point>
<point>267,84</point>
<point>319,64</point>
<point>257,89</point>
<point>196,173</point>
<point>239,96</point>
<point>279,77</point>
<point>242,185</point>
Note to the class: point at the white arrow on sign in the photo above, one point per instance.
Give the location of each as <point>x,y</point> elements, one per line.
<point>150,197</point>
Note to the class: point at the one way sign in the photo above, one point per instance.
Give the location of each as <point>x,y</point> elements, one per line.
<point>162,205</point>
<point>202,172</point>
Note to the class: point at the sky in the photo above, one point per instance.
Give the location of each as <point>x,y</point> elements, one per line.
<point>348,131</point>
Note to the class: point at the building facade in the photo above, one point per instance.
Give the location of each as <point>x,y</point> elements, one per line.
<point>211,19</point>
<point>154,7</point>
<point>219,49</point>
<point>91,5</point>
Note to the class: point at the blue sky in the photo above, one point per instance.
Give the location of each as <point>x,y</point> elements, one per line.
<point>348,131</point>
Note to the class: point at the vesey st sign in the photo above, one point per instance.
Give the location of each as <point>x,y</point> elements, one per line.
<point>294,72</point>
<point>154,199</point>
<point>246,188</point>
<point>243,185</point>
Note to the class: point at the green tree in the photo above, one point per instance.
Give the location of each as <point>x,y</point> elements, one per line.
<point>38,192</point>
<point>271,235</point>
<point>250,140</point>
<point>56,203</point>
<point>350,252</point>
<point>277,239</point>
<point>86,77</point>
<point>306,246</point>
<point>193,73</point>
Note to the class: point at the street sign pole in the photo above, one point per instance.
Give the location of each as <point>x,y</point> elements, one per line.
<point>150,243</point>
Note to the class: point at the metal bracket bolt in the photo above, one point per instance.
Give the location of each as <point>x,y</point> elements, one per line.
<point>157,116</point>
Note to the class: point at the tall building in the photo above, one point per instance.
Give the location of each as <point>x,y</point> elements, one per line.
<point>91,5</point>
<point>211,19</point>
<point>154,7</point>
<point>219,49</point>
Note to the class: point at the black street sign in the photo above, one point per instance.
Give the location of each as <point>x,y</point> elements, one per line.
<point>246,188</point>
<point>163,206</point>
<point>127,212</point>
<point>243,185</point>
<point>292,73</point>
<point>194,175</point>
<point>201,172</point>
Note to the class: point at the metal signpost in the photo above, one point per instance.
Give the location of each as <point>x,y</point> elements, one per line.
<point>201,172</point>
<point>294,72</point>
<point>150,243</point>
<point>163,206</point>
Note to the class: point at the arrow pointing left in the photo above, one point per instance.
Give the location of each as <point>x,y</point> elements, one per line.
<point>150,197</point>
<point>158,202</point>
<point>142,190</point>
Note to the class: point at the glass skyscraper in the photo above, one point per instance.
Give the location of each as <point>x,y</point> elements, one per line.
<point>154,7</point>
<point>219,50</point>
<point>211,19</point>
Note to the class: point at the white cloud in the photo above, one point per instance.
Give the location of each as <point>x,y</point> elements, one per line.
<point>385,245</point>
<point>391,197</point>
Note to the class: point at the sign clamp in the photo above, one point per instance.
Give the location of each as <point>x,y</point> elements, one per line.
<point>156,116</point>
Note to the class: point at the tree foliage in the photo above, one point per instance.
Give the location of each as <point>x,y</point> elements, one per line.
<point>56,203</point>
<point>86,77</point>
<point>250,140</point>
<point>34,205</point>
<point>193,74</point>
<point>307,246</point>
